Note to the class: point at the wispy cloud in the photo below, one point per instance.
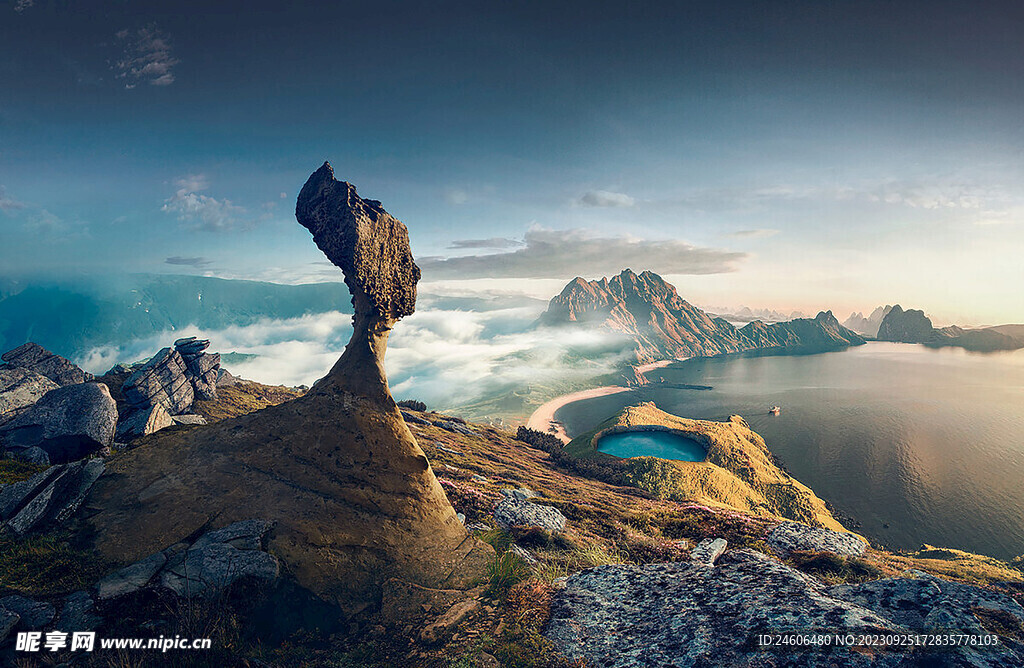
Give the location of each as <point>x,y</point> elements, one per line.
<point>753,234</point>
<point>193,182</point>
<point>456,196</point>
<point>493,242</point>
<point>7,203</point>
<point>605,198</point>
<point>568,253</point>
<point>22,5</point>
<point>203,211</point>
<point>197,262</point>
<point>146,58</point>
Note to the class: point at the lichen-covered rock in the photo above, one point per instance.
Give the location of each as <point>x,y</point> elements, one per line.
<point>516,511</point>
<point>687,614</point>
<point>34,357</point>
<point>68,423</point>
<point>15,495</point>
<point>789,537</point>
<point>919,600</point>
<point>161,380</point>
<point>19,389</point>
<point>708,551</point>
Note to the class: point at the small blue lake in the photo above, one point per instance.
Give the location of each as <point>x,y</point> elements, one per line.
<point>663,444</point>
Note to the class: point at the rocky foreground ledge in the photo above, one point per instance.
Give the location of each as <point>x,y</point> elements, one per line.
<point>710,611</point>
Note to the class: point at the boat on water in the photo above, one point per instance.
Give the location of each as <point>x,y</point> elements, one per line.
<point>775,410</point>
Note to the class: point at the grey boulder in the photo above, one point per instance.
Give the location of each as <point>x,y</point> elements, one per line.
<point>201,572</point>
<point>189,419</point>
<point>50,496</point>
<point>708,551</point>
<point>19,389</point>
<point>68,423</point>
<point>130,579</point>
<point>789,537</point>
<point>34,357</point>
<point>138,423</point>
<point>34,614</point>
<point>517,510</point>
<point>8,621</point>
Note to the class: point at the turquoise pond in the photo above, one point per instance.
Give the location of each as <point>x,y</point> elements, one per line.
<point>663,444</point>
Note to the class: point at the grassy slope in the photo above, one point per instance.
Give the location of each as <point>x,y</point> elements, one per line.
<point>607,524</point>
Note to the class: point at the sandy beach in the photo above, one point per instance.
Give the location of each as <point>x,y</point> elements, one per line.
<point>544,417</point>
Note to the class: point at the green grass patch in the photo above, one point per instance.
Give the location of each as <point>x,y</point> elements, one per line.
<point>506,571</point>
<point>46,564</point>
<point>12,470</point>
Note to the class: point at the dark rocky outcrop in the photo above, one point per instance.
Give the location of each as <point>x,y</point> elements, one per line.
<point>51,496</point>
<point>67,423</point>
<point>19,389</point>
<point>166,386</point>
<point>911,326</point>
<point>698,614</point>
<point>34,357</point>
<point>662,325</point>
<point>353,498</point>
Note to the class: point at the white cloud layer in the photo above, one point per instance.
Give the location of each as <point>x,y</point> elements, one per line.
<point>443,357</point>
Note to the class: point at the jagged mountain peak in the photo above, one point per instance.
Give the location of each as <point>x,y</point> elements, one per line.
<point>664,325</point>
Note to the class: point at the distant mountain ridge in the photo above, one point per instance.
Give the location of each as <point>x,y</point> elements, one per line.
<point>913,326</point>
<point>666,326</point>
<point>867,326</point>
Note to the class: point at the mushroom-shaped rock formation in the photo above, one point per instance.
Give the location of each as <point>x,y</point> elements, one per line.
<point>352,495</point>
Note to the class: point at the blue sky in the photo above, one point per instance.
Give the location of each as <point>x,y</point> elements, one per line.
<point>795,155</point>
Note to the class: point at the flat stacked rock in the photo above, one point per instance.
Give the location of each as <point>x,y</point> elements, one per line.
<point>34,357</point>
<point>68,423</point>
<point>162,380</point>
<point>203,368</point>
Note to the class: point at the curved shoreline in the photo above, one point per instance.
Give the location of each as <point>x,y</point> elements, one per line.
<point>543,419</point>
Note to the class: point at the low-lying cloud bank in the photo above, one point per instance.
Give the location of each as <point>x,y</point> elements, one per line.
<point>443,356</point>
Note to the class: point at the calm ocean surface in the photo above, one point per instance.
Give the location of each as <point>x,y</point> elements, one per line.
<point>918,445</point>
